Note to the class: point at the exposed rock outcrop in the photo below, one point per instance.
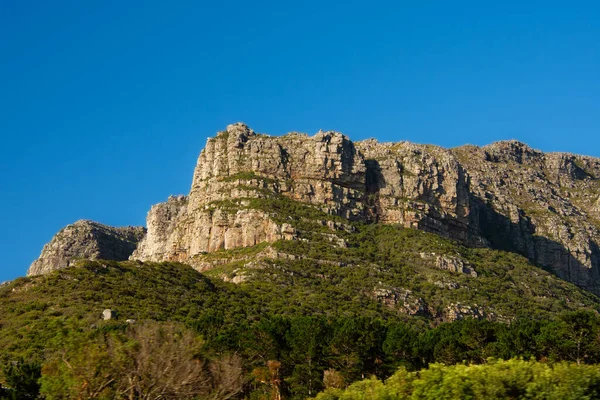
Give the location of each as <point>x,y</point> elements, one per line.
<point>325,170</point>
<point>505,196</point>
<point>540,205</point>
<point>449,263</point>
<point>459,311</point>
<point>86,240</point>
<point>401,299</point>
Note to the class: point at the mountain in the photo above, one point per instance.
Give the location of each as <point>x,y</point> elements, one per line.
<point>504,196</point>
<point>298,264</point>
<point>87,240</point>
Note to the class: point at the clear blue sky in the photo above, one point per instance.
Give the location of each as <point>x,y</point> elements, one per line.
<point>105,105</point>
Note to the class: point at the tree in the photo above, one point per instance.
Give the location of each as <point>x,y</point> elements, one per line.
<point>574,336</point>
<point>148,361</point>
<point>399,344</point>
<point>306,338</point>
<point>22,378</point>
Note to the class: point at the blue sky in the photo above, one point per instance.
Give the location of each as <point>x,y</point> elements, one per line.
<point>105,105</point>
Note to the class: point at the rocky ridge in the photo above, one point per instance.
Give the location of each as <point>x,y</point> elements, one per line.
<point>86,240</point>
<point>505,196</point>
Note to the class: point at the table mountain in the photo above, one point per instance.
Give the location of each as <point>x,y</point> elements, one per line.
<point>504,196</point>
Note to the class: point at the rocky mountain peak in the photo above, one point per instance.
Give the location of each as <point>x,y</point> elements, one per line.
<point>86,239</point>
<point>238,132</point>
<point>505,195</point>
<point>511,150</point>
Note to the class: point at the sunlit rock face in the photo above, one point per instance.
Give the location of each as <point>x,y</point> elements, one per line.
<point>325,170</point>
<point>86,240</point>
<point>505,195</point>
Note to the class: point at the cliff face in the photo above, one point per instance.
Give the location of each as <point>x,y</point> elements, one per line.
<point>86,240</point>
<point>506,196</point>
<point>417,186</point>
<point>544,206</point>
<point>239,165</point>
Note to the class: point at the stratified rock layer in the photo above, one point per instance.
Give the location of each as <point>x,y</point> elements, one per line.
<point>543,206</point>
<point>86,240</point>
<point>506,196</point>
<point>325,170</point>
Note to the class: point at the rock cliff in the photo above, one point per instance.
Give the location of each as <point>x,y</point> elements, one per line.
<point>238,166</point>
<point>505,196</point>
<point>544,206</point>
<point>86,240</point>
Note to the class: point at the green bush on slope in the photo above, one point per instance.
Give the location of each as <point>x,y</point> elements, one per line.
<point>512,379</point>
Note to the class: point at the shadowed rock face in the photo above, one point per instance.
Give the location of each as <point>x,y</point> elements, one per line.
<point>89,240</point>
<point>544,206</point>
<point>505,196</point>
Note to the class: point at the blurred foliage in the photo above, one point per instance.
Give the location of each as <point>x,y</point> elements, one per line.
<point>512,379</point>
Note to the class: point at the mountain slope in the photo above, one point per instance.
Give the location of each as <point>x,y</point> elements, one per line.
<point>344,298</point>
<point>505,196</point>
<point>381,271</point>
<point>364,301</point>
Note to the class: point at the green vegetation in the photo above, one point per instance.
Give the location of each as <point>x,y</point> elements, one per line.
<point>142,361</point>
<point>246,176</point>
<point>513,379</point>
<point>283,339</point>
<point>399,260</point>
<point>223,135</point>
<point>343,302</point>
